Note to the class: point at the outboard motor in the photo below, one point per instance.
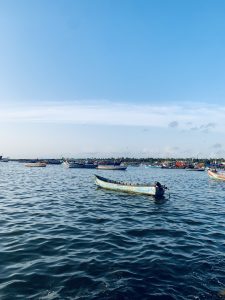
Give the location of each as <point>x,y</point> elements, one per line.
<point>161,187</point>
<point>158,184</point>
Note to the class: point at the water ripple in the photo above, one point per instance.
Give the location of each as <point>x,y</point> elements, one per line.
<point>62,238</point>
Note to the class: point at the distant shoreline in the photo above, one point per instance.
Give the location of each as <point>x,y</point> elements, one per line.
<point>149,160</point>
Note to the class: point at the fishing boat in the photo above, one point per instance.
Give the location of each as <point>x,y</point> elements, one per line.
<point>155,189</point>
<point>72,164</point>
<point>36,165</point>
<point>195,169</point>
<point>4,159</point>
<point>78,165</point>
<point>152,166</point>
<point>216,175</point>
<point>111,167</point>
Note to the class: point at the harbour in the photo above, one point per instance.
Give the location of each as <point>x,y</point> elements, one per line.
<point>112,156</point>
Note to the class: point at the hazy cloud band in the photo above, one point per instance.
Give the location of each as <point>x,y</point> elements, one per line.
<point>185,117</point>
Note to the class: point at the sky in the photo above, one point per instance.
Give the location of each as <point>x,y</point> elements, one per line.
<point>102,78</point>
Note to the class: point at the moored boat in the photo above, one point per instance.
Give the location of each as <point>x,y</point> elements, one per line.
<point>216,175</point>
<point>155,189</point>
<point>195,169</point>
<point>4,159</point>
<point>88,165</point>
<point>152,166</point>
<point>78,165</point>
<point>111,167</point>
<point>72,164</point>
<point>36,165</point>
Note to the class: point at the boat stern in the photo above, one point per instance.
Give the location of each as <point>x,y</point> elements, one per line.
<point>160,189</point>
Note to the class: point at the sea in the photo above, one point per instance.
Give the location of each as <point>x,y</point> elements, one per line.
<point>61,237</point>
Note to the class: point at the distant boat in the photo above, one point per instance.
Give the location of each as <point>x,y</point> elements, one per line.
<point>4,159</point>
<point>36,165</point>
<point>72,164</point>
<point>90,166</point>
<point>155,189</point>
<point>152,166</point>
<point>169,167</point>
<point>77,165</point>
<point>111,167</point>
<point>196,169</point>
<point>215,175</point>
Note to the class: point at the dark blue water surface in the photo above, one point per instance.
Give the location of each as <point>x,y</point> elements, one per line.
<point>62,238</point>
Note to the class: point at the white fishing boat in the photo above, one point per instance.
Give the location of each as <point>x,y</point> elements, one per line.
<point>36,165</point>
<point>155,189</point>
<point>72,164</point>
<point>112,167</point>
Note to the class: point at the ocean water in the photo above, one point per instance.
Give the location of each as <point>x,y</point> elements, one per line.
<point>63,238</point>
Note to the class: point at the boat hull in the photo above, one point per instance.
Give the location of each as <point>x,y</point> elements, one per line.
<point>150,190</point>
<point>36,165</point>
<point>196,170</point>
<point>4,160</point>
<point>215,175</point>
<point>74,165</point>
<point>89,166</point>
<point>111,167</point>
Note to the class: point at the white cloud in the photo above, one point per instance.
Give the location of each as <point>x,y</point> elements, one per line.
<point>109,113</point>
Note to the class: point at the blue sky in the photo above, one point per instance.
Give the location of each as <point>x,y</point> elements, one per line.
<point>102,78</point>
